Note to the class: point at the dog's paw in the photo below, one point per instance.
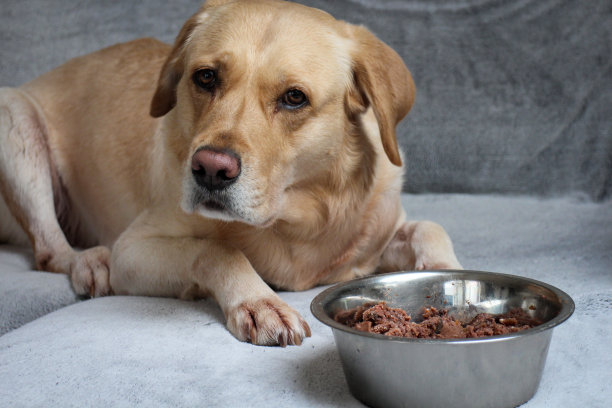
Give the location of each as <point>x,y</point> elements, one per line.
<point>422,245</point>
<point>423,264</point>
<point>267,322</point>
<point>89,272</point>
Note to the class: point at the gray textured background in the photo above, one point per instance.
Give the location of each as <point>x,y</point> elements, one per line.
<point>513,96</point>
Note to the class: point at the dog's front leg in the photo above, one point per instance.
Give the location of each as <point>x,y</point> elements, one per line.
<point>28,178</point>
<point>144,263</point>
<point>419,245</point>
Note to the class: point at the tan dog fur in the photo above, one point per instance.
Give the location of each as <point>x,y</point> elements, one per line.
<point>84,163</point>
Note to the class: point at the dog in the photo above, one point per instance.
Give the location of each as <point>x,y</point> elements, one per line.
<point>257,152</point>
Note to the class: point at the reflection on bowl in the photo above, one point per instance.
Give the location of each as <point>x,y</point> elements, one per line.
<point>497,371</point>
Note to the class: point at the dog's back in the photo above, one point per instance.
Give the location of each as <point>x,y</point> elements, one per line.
<point>110,186</point>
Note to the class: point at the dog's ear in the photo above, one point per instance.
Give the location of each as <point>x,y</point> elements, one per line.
<point>164,98</point>
<point>382,81</point>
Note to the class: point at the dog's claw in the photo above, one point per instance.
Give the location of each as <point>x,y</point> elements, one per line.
<point>282,340</point>
<point>297,340</point>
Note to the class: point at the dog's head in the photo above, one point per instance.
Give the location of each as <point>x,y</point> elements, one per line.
<point>265,98</point>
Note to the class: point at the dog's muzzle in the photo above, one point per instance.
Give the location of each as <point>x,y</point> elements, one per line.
<point>214,172</point>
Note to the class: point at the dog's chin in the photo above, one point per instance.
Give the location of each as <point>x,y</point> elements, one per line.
<point>215,210</point>
<point>218,210</point>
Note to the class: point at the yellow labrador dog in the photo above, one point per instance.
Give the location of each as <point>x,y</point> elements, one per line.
<point>259,148</point>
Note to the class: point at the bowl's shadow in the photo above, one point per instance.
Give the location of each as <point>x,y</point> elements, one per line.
<point>321,379</point>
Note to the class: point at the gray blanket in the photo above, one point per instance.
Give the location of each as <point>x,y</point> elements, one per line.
<point>513,96</point>
<point>151,352</point>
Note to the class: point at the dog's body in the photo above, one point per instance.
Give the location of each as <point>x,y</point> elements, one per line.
<point>268,153</point>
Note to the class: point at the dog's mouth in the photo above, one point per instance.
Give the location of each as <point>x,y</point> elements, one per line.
<point>216,209</point>
<point>211,204</point>
<point>214,205</point>
<point>225,205</point>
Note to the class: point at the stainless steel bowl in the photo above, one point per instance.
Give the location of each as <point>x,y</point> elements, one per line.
<point>497,371</point>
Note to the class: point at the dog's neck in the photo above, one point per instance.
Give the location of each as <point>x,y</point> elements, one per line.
<point>337,197</point>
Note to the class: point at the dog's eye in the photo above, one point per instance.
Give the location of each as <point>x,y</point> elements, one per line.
<point>294,98</point>
<point>205,78</point>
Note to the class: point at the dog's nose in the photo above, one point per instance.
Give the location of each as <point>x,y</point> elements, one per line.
<point>215,169</point>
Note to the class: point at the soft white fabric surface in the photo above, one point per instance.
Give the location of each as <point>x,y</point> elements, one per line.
<point>121,351</point>
<point>25,294</point>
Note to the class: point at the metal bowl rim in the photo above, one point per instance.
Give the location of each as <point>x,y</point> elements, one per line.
<point>567,308</point>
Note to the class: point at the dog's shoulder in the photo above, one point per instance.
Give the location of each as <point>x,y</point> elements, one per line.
<point>121,63</point>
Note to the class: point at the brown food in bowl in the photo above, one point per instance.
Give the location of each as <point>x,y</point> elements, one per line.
<point>437,324</point>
